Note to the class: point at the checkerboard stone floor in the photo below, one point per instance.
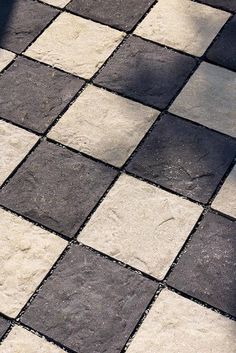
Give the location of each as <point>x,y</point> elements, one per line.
<point>118,196</point>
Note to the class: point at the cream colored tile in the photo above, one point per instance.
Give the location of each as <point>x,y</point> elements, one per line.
<point>178,325</point>
<point>104,125</point>
<point>141,225</point>
<point>183,25</point>
<point>27,253</point>
<point>58,3</point>
<point>6,57</point>
<point>75,45</point>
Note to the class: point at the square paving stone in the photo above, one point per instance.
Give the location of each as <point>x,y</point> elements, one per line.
<point>207,268</point>
<point>6,57</point>
<point>25,21</point>
<point>183,157</point>
<point>90,304</point>
<point>182,24</point>
<point>58,3</point>
<point>27,253</point>
<point>223,51</point>
<point>146,72</point>
<point>104,125</point>
<point>176,324</point>
<point>75,44</point>
<point>38,93</point>
<point>135,216</point>
<point>228,5</point>
<point>4,325</point>
<point>57,188</point>
<point>121,14</point>
<point>15,143</point>
<point>209,99</point>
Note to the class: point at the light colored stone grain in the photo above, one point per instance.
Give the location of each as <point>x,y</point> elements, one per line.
<point>6,57</point>
<point>141,225</point>
<point>104,125</point>
<point>178,325</point>
<point>209,99</point>
<point>27,253</point>
<point>58,3</point>
<point>76,45</point>
<point>15,143</point>
<point>183,25</point>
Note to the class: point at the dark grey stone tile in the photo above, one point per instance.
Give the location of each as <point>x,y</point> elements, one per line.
<point>32,94</point>
<point>146,72</point>
<point>227,5</point>
<point>121,14</point>
<point>90,304</point>
<point>183,157</point>
<point>57,188</point>
<point>207,268</point>
<point>4,325</point>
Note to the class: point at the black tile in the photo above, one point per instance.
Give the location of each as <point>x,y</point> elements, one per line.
<point>90,304</point>
<point>57,188</point>
<point>32,94</point>
<point>183,157</point>
<point>228,5</point>
<point>4,325</point>
<point>25,20</point>
<point>121,14</point>
<point>207,269</point>
<point>146,72</point>
<point>223,51</point>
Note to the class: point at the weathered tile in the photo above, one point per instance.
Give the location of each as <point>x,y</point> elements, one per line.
<point>209,99</point>
<point>21,340</point>
<point>27,253</point>
<point>6,57</point>
<point>183,157</point>
<point>90,304</point>
<point>57,188</point>
<point>15,143</point>
<point>141,225</point>
<point>4,325</point>
<point>176,324</point>
<point>207,268</point>
<point>121,14</point>
<point>38,93</point>
<point>104,125</point>
<point>146,71</point>
<point>183,25</point>
<point>75,44</point>
<point>23,22</point>
<point>58,3</point>
<point>228,5</point>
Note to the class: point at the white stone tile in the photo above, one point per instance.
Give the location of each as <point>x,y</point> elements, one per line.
<point>6,57</point>
<point>58,3</point>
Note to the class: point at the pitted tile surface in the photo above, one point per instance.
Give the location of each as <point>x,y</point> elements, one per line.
<point>58,3</point>
<point>4,325</point>
<point>228,5</point>
<point>6,57</point>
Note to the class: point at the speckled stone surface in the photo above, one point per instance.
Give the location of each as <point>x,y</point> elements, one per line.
<point>57,188</point>
<point>228,5</point>
<point>89,303</point>
<point>4,325</point>
<point>38,93</point>
<point>25,21</point>
<point>209,99</point>
<point>6,57</point>
<point>111,132</point>
<point>183,157</point>
<point>58,3</point>
<point>183,25</point>
<point>136,216</point>
<point>206,270</point>
<point>27,253</point>
<point>121,14</point>
<point>15,143</point>
<point>146,71</point>
<point>75,44</point>
<point>176,324</point>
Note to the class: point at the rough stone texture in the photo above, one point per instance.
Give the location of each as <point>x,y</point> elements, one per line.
<point>146,71</point>
<point>15,143</point>
<point>90,304</point>
<point>207,268</point>
<point>5,58</point>
<point>4,325</point>
<point>27,253</point>
<point>182,24</point>
<point>75,45</point>
<point>223,51</point>
<point>22,341</point>
<point>183,157</point>
<point>38,93</point>
<point>175,324</point>
<point>228,5</point>
<point>23,22</point>
<point>121,14</point>
<point>209,99</point>
<point>58,3</point>
<point>225,200</point>
<point>136,216</point>
<point>104,125</point>
<point>57,188</point>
